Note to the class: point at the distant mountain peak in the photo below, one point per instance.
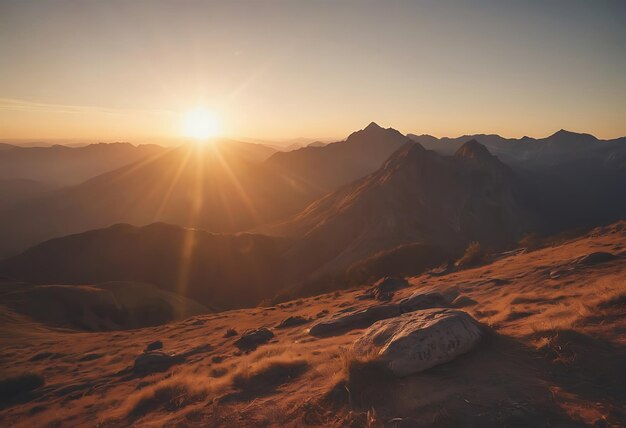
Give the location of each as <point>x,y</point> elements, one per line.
<point>373,131</point>
<point>372,126</point>
<point>576,137</point>
<point>472,149</point>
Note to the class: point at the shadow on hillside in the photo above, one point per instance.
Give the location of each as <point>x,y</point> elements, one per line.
<point>503,383</point>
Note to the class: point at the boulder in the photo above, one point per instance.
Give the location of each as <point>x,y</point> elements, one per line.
<point>230,333</point>
<point>424,300</point>
<point>391,283</point>
<point>251,339</point>
<point>417,341</point>
<point>595,258</point>
<point>157,344</point>
<point>358,319</point>
<point>293,321</point>
<point>155,361</point>
<point>385,288</point>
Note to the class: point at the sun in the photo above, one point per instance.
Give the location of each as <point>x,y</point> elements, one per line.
<point>200,124</point>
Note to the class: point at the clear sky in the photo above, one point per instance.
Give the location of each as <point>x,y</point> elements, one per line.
<point>125,70</point>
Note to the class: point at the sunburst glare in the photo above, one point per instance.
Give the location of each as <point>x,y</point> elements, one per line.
<point>200,123</point>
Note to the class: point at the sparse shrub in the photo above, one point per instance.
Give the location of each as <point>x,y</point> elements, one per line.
<point>474,255</point>
<point>530,241</point>
<point>15,386</point>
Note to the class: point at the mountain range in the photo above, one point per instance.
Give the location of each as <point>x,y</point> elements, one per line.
<point>315,218</point>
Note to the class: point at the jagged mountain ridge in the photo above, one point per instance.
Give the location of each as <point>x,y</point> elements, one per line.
<point>340,163</point>
<point>417,196</point>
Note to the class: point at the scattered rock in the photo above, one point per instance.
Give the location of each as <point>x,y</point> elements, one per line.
<point>155,361</point>
<point>595,258</point>
<point>391,283</point>
<point>90,357</point>
<point>230,333</point>
<point>385,288</point>
<point>153,346</point>
<point>45,355</point>
<point>359,319</point>
<point>496,281</point>
<point>293,321</point>
<point>250,339</point>
<point>419,340</point>
<point>424,300</point>
<point>463,301</point>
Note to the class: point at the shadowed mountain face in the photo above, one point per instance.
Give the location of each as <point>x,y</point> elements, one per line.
<point>57,165</point>
<point>218,271</point>
<point>578,180</point>
<point>417,196</point>
<point>216,188</point>
<point>333,165</point>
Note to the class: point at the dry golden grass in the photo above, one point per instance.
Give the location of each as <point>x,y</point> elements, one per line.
<point>474,255</point>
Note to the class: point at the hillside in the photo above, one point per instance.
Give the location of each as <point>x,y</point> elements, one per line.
<point>218,271</point>
<point>100,307</point>
<point>552,354</point>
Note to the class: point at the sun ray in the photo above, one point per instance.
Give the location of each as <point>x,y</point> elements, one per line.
<point>168,193</point>
<point>238,187</point>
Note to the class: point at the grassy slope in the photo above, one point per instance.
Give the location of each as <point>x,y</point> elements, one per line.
<point>556,358</point>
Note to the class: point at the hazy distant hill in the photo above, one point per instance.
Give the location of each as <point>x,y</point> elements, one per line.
<point>228,187</point>
<point>217,188</point>
<point>561,147</point>
<point>417,196</point>
<point>336,164</point>
<point>218,271</point>
<point>61,166</point>
<point>14,191</point>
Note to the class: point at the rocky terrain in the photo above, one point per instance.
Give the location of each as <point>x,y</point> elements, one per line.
<point>530,337</point>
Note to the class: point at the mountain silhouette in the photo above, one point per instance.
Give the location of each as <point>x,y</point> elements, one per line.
<point>337,164</point>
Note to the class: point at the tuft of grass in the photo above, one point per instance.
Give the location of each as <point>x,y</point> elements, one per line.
<point>170,395</point>
<point>531,241</point>
<point>360,379</point>
<point>265,375</point>
<point>473,256</point>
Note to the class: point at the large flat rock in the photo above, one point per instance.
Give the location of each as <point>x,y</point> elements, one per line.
<point>419,340</point>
